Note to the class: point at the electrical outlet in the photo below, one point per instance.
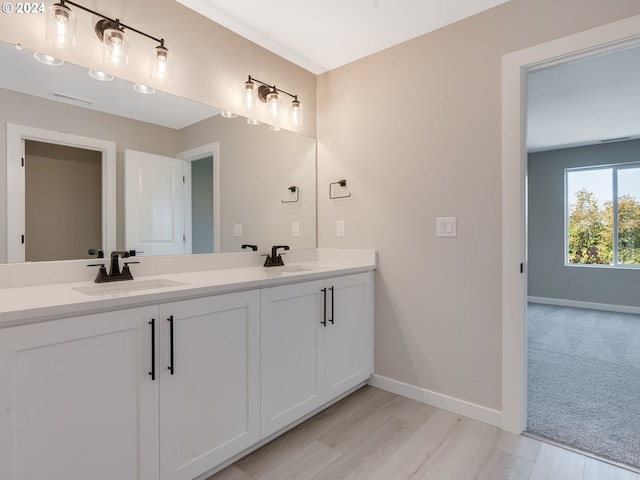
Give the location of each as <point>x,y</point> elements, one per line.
<point>295,229</point>
<point>237,229</point>
<point>340,232</point>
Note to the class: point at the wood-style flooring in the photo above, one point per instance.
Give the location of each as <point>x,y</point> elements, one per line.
<point>376,435</point>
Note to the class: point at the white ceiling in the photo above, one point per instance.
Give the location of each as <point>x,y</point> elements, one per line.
<point>585,102</point>
<point>321,35</point>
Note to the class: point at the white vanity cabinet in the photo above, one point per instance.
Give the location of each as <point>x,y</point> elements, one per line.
<point>77,400</point>
<point>316,343</point>
<point>209,386</point>
<point>81,397</point>
<point>174,389</point>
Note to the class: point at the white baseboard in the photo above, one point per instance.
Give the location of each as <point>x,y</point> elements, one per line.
<point>455,405</point>
<point>589,305</point>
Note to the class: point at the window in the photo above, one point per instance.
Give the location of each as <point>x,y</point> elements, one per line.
<point>603,215</point>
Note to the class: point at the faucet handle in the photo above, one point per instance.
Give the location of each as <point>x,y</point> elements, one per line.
<point>102,272</point>
<point>96,251</point>
<point>126,272</point>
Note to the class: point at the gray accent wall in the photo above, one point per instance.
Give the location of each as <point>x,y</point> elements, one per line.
<point>548,276</point>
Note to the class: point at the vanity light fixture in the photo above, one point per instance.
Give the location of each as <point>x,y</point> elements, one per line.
<point>271,96</point>
<point>228,114</point>
<point>61,33</point>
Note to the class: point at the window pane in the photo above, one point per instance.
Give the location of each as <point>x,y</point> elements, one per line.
<point>629,216</point>
<point>590,216</point>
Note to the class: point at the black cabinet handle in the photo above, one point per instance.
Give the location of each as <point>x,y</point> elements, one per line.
<point>153,349</point>
<point>171,364</point>
<point>324,307</point>
<point>332,294</point>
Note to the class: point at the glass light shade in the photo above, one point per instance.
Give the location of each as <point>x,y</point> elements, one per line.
<point>48,59</point>
<point>60,30</point>
<point>228,114</point>
<point>115,50</point>
<point>144,89</point>
<point>273,104</point>
<point>249,95</point>
<point>295,115</point>
<point>101,76</point>
<point>252,121</point>
<point>161,64</point>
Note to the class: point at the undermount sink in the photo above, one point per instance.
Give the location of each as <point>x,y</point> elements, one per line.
<point>126,286</point>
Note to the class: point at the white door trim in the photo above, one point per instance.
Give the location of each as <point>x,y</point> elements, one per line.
<point>515,67</point>
<point>213,150</point>
<point>16,135</point>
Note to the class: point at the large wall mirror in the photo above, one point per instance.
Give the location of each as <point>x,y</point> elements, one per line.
<point>97,164</point>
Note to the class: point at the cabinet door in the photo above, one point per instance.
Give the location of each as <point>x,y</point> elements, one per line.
<point>77,400</point>
<point>349,333</point>
<point>292,353</point>
<point>209,403</point>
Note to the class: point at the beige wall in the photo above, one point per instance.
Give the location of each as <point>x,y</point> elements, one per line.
<point>415,130</point>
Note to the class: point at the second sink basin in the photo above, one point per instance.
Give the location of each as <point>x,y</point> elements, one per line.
<point>126,286</point>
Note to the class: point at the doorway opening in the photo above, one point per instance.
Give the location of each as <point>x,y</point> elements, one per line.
<point>18,137</point>
<point>63,201</point>
<point>516,66</point>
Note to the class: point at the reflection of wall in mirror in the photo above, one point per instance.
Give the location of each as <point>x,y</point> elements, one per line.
<point>262,170</point>
<point>251,169</point>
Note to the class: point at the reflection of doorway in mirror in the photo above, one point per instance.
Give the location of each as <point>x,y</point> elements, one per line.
<point>203,220</point>
<point>17,138</point>
<point>63,201</point>
<point>202,205</point>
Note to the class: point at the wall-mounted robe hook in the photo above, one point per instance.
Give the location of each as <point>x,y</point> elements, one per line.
<point>342,183</point>
<point>293,189</point>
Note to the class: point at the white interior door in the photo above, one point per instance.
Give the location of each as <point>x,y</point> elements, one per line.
<point>156,203</point>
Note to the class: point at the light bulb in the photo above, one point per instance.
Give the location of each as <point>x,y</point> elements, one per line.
<point>249,95</point>
<point>60,30</point>
<point>295,115</point>
<point>115,49</point>
<point>273,104</point>
<point>161,64</point>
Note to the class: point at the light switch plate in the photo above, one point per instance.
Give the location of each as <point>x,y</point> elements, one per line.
<point>237,229</point>
<point>295,229</point>
<point>340,228</point>
<point>446,227</point>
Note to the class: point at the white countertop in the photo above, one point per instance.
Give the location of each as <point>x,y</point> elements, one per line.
<point>31,304</point>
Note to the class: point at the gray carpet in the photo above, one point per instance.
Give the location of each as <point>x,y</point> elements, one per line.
<point>584,380</point>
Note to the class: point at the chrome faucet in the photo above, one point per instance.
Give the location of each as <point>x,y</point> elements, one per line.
<point>275,260</point>
<point>114,274</point>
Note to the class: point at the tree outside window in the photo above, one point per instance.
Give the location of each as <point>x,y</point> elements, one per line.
<point>603,215</point>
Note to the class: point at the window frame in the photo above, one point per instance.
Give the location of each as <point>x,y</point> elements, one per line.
<point>614,193</point>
